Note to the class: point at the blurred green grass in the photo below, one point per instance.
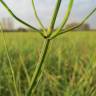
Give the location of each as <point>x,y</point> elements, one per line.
<point>70,64</point>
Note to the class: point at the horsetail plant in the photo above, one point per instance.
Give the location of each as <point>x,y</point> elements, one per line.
<point>48,35</point>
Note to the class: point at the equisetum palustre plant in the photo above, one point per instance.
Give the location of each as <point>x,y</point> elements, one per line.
<point>48,36</point>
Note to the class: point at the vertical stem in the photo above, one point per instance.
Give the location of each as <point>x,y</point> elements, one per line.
<point>54,16</point>
<point>66,16</point>
<point>39,66</point>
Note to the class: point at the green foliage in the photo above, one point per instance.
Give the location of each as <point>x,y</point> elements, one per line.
<point>47,38</point>
<point>70,69</point>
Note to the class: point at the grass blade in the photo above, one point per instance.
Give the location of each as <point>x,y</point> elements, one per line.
<point>10,64</point>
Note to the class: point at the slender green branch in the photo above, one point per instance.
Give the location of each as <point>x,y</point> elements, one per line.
<point>9,10</point>
<point>66,16</point>
<point>18,19</point>
<point>36,15</point>
<point>72,28</point>
<point>51,27</point>
<point>10,64</point>
<point>39,66</point>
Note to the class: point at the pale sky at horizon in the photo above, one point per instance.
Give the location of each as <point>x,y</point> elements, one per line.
<point>23,9</point>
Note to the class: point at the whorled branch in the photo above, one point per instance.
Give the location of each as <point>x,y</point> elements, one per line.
<point>18,19</point>
<point>36,16</point>
<point>66,17</point>
<point>72,28</point>
<point>54,17</point>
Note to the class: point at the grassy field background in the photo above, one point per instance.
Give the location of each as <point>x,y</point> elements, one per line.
<point>70,65</point>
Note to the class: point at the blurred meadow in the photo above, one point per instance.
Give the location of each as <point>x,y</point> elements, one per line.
<point>70,64</point>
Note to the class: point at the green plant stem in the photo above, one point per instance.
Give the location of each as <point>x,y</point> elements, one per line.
<point>66,16</point>
<point>39,66</point>
<point>36,15</point>
<point>51,27</point>
<point>18,19</point>
<point>72,28</point>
